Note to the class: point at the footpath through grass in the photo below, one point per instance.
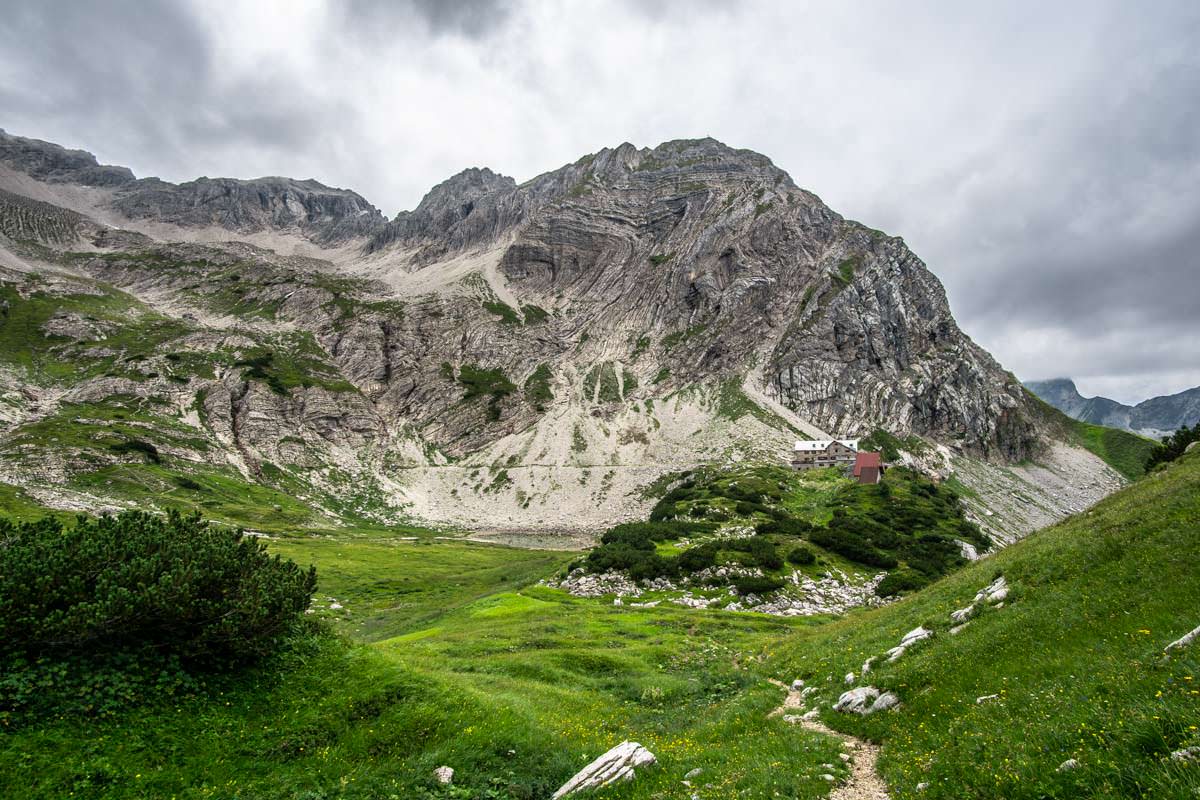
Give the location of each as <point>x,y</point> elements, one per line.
<point>1075,659</point>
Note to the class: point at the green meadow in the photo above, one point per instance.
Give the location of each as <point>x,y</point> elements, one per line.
<point>450,652</point>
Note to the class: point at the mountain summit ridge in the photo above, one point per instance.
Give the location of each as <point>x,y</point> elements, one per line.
<point>574,336</point>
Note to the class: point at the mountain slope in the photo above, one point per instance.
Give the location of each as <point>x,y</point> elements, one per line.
<point>516,686</point>
<point>1070,666</point>
<point>1156,417</point>
<point>504,355</point>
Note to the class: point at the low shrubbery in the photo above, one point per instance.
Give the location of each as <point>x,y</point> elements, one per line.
<point>1172,446</point>
<point>109,608</point>
<point>907,524</point>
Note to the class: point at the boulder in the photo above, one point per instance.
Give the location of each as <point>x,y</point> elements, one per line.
<point>444,775</point>
<point>618,764</point>
<point>994,592</point>
<point>885,701</point>
<point>1183,641</point>
<point>918,634</point>
<point>856,701</point>
<point>1068,765</point>
<point>1187,754</point>
<point>962,615</point>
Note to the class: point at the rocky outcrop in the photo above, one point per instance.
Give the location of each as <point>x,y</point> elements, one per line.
<point>619,764</point>
<point>637,311</point>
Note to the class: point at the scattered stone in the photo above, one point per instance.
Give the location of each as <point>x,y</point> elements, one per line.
<point>968,550</point>
<point>866,667</point>
<point>1068,765</point>
<point>617,601</point>
<point>981,700</point>
<point>1187,754</point>
<point>797,685</point>
<point>825,776</point>
<point>618,764</point>
<point>849,679</point>
<point>994,592</point>
<point>923,785</point>
<point>963,614</point>
<point>895,653</point>
<point>918,634</point>
<point>444,775</point>
<point>1183,641</point>
<point>845,757</point>
<point>791,719</point>
<point>693,773</point>
<point>809,716</point>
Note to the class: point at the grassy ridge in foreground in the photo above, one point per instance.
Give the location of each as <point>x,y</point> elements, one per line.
<point>1075,657</point>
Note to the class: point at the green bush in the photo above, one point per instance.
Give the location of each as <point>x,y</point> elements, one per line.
<point>801,556</point>
<point>752,584</point>
<point>137,582</point>
<point>900,580</point>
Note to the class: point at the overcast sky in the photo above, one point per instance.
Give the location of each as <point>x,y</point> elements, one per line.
<point>1042,158</point>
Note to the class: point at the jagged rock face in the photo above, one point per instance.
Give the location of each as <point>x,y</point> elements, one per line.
<point>322,214</point>
<point>719,248</point>
<point>56,164</point>
<point>319,213</point>
<point>553,345</point>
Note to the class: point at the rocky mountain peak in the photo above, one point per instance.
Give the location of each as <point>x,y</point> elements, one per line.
<point>54,163</point>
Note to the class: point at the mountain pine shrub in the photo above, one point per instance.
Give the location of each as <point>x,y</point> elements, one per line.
<point>173,584</point>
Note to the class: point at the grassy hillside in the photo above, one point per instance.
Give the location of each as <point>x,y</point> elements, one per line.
<point>456,656</point>
<point>1075,657</point>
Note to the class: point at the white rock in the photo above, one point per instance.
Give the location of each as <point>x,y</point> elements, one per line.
<point>895,653</point>
<point>1183,641</point>
<point>968,550</point>
<point>994,592</point>
<point>444,774</point>
<point>856,701</point>
<point>962,615</point>
<point>827,777</point>
<point>981,700</point>
<point>807,691</point>
<point>791,719</point>
<point>923,785</point>
<point>867,665</point>
<point>849,679</point>
<point>617,601</point>
<point>918,634</point>
<point>618,764</point>
<point>845,757</point>
<point>1187,754</point>
<point>797,685</point>
<point>809,716</point>
<point>885,701</point>
<point>695,773</point>
<point>1068,765</point>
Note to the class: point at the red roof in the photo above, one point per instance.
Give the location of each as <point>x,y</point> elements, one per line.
<point>862,459</point>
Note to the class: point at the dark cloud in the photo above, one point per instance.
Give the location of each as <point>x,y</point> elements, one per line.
<point>1043,160</point>
<point>471,18</point>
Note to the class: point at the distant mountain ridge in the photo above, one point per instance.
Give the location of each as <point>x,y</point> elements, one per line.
<point>1155,417</point>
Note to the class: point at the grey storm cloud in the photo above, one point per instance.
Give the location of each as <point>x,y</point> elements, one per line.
<point>1044,160</point>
